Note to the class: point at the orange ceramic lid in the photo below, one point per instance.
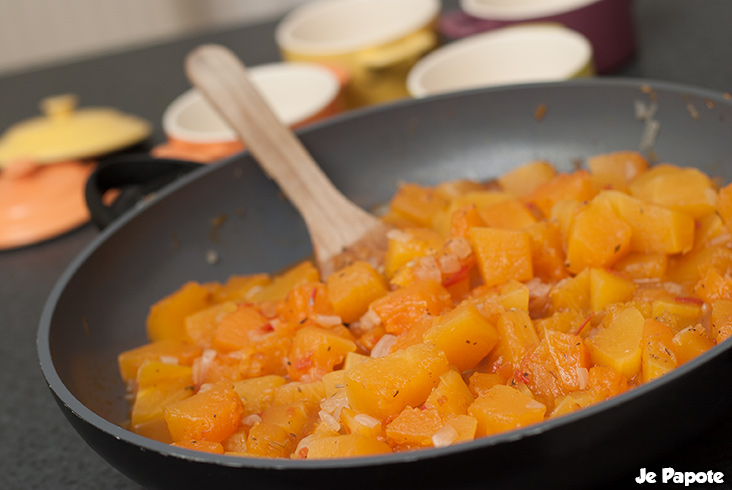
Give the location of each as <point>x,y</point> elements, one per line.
<point>64,133</point>
<point>40,202</point>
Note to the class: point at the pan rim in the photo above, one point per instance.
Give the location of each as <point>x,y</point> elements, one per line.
<point>78,409</point>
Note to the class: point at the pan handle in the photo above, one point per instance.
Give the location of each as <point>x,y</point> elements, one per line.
<point>135,176</point>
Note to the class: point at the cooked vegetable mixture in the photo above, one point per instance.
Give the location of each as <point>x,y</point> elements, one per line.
<point>498,305</point>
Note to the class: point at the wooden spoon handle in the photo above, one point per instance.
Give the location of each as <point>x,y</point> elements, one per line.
<point>333,221</point>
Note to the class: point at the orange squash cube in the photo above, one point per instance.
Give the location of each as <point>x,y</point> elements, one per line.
<point>713,285</point>
<point>688,269</point>
<point>414,426</point>
<point>504,408</point>
<point>654,229</point>
<point>239,288</point>
<point>180,351</point>
<point>316,351</point>
<point>256,394</point>
<point>641,265</point>
<point>615,170</point>
<point>576,186</point>
<point>721,327</point>
<point>238,328</point>
<point>606,382</point>
<point>547,251</point>
<point>281,284</point>
<point>210,415</point>
<point>619,344</point>
<point>516,336</point>
<point>166,319</point>
<point>554,367</point>
<point>383,387</point>
<point>360,423</point>
<point>480,383</point>
<point>201,326</point>
<point>682,189</point>
<point>597,238</point>
<point>417,204</point>
<point>406,245</point>
<point>608,287</point>
<point>464,335</point>
<point>502,254</point>
<point>572,293</point>
<point>510,214</point>
<point>464,218</point>
<point>657,353</point>
<point>677,313</point>
<point>691,342</point>
<point>158,385</point>
<point>451,396</point>
<point>279,431</point>
<point>352,289</point>
<point>524,179</point>
<point>401,308</point>
<point>345,446</point>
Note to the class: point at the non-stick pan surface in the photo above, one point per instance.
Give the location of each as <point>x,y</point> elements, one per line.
<point>229,219</point>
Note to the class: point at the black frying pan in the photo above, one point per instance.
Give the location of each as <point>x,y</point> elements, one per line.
<point>99,305</point>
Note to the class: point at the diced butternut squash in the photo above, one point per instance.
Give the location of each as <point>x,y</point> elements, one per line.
<point>510,214</point>
<point>516,336</point>
<point>240,288</point>
<point>657,353</point>
<point>464,218</point>
<point>401,308</point>
<point>597,238</point>
<point>721,320</point>
<point>451,396</point>
<point>281,284</point>
<point>682,189</point>
<point>688,269</point>
<point>678,313</point>
<point>210,415</point>
<point>556,366</point>
<point>352,289</point>
<point>306,301</point>
<point>606,382</point>
<point>166,319</point>
<point>417,204</point>
<point>608,287</point>
<point>170,351</point>
<point>724,205</point>
<point>691,342</point>
<point>713,285</point>
<point>502,254</point>
<point>642,265</point>
<point>615,170</point>
<point>504,408</point>
<point>547,251</point>
<point>360,423</point>
<point>414,426</point>
<point>572,293</point>
<point>346,446</point>
<point>654,229</point>
<point>316,351</point>
<point>406,245</point>
<point>480,383</point>
<point>279,431</point>
<point>201,326</point>
<point>257,393</point>
<point>201,445</point>
<point>576,186</point>
<point>158,385</point>
<point>383,387</point>
<point>524,179</point>
<point>619,344</point>
<point>464,335</point>
<point>238,328</point>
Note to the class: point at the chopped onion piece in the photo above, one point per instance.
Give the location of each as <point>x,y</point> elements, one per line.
<point>445,436</point>
<point>583,376</point>
<point>459,246</point>
<point>327,320</point>
<point>169,360</point>
<point>366,420</point>
<point>383,346</point>
<point>398,235</point>
<point>329,420</point>
<point>449,264</point>
<point>369,320</point>
<point>252,419</point>
<point>427,269</point>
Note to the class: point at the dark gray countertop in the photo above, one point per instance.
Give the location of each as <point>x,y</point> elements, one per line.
<point>681,41</point>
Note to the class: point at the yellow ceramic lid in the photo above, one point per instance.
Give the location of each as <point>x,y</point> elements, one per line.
<point>66,133</point>
<point>38,202</point>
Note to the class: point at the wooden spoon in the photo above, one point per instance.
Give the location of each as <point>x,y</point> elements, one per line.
<point>340,231</point>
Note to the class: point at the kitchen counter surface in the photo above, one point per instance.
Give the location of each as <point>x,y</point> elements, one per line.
<point>678,41</point>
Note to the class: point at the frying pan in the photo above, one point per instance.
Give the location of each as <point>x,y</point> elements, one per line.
<point>230,211</point>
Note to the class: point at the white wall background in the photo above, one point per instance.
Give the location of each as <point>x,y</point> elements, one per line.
<point>37,33</point>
